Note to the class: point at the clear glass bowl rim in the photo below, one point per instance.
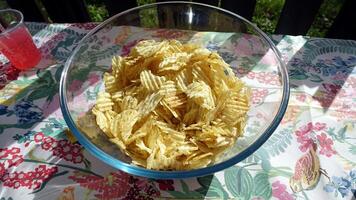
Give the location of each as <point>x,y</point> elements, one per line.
<point>139,171</point>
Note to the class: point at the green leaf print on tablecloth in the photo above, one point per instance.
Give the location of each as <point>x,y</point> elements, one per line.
<point>210,186</point>
<point>239,182</point>
<point>278,142</point>
<point>316,47</point>
<point>262,187</point>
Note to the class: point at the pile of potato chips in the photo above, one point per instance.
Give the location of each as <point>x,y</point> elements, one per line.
<point>172,106</point>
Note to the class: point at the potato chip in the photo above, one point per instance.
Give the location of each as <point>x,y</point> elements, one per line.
<point>117,66</point>
<point>128,102</point>
<point>140,144</point>
<point>118,70</point>
<point>146,48</point>
<point>176,100</point>
<point>118,96</point>
<point>132,69</point>
<point>123,123</point>
<point>103,123</point>
<point>110,82</point>
<point>173,46</point>
<point>151,164</point>
<point>183,79</point>
<point>202,162</point>
<point>150,81</point>
<point>149,104</point>
<point>186,149</point>
<point>174,62</point>
<point>171,106</point>
<point>235,109</point>
<point>199,74</point>
<point>118,142</point>
<point>175,135</point>
<point>166,106</point>
<point>135,91</point>
<point>104,102</point>
<point>110,115</point>
<point>200,92</point>
<point>198,160</point>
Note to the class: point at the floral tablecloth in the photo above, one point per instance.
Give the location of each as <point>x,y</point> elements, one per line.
<point>39,160</point>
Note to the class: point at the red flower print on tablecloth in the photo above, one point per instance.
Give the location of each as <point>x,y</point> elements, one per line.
<point>165,185</point>
<point>11,157</point>
<point>93,78</point>
<point>2,169</point>
<point>301,97</point>
<point>47,47</point>
<point>305,143</point>
<point>141,188</point>
<point>248,45</point>
<point>291,114</point>
<point>61,148</point>
<point>280,192</point>
<point>331,88</point>
<point>7,73</point>
<point>325,99</point>
<point>114,185</point>
<point>169,34</point>
<point>330,95</point>
<point>85,26</point>
<point>342,110</point>
<point>304,137</point>
<point>258,95</point>
<point>350,82</point>
<point>269,78</point>
<point>75,85</point>
<point>339,76</point>
<point>311,133</point>
<point>325,144</point>
<point>30,179</point>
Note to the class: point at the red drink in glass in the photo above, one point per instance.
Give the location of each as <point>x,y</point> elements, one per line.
<point>17,45</point>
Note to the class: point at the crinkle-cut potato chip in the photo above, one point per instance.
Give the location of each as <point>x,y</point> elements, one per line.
<point>103,123</point>
<point>128,102</point>
<point>201,94</point>
<point>150,81</point>
<point>104,102</point>
<point>111,84</point>
<point>147,48</point>
<point>183,79</point>
<point>172,106</point>
<point>122,124</point>
<point>174,62</point>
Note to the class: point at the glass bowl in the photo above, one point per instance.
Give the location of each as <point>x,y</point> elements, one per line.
<point>251,54</point>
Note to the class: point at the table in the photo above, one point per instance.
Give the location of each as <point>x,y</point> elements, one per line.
<point>38,161</point>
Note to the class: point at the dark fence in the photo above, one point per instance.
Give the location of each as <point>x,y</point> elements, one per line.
<point>295,19</point>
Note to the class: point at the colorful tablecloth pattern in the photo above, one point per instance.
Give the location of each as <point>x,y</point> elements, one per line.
<point>38,161</point>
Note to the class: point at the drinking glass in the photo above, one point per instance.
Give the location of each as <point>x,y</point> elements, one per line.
<point>16,41</point>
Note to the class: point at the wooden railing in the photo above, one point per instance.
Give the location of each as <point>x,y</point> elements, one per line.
<point>295,19</point>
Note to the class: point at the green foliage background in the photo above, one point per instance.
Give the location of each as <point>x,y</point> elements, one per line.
<point>266,14</point>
